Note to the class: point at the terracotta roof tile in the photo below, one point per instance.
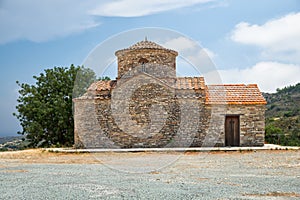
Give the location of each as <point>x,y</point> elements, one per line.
<point>102,85</point>
<point>234,94</point>
<point>145,44</point>
<point>215,94</point>
<point>190,83</point>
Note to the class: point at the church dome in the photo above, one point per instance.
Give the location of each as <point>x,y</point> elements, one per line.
<point>144,52</point>
<point>145,44</point>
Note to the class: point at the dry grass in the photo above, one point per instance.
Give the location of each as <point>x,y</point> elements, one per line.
<point>42,156</point>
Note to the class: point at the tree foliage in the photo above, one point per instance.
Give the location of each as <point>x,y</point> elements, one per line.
<point>104,78</point>
<point>274,134</point>
<point>45,108</point>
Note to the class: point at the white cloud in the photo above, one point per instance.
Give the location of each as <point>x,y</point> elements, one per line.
<point>180,44</point>
<point>202,59</point>
<point>192,52</point>
<point>40,21</point>
<point>43,20</point>
<point>268,75</point>
<point>136,8</point>
<point>279,38</point>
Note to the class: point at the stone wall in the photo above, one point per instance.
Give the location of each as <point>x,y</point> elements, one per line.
<point>183,121</point>
<point>252,123</point>
<point>87,130</point>
<point>127,60</point>
<point>158,118</point>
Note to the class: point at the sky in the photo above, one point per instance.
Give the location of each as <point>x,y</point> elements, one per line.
<point>247,41</point>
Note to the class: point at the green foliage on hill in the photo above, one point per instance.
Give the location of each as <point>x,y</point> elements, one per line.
<point>283,116</point>
<point>45,108</point>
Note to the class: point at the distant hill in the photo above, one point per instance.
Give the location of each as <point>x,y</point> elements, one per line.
<point>10,139</point>
<point>284,103</point>
<point>283,116</point>
<point>10,143</point>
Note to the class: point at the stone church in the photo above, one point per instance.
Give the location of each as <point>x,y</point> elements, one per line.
<point>148,106</point>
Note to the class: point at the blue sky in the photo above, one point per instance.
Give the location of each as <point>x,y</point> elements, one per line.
<point>249,41</point>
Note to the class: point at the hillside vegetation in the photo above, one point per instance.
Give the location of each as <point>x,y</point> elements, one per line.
<point>283,116</point>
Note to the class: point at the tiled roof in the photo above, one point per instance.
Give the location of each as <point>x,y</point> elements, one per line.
<point>234,94</point>
<point>145,44</point>
<point>181,83</point>
<point>190,83</point>
<point>102,85</point>
<point>215,94</point>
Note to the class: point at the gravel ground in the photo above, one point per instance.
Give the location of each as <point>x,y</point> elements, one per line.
<point>215,175</point>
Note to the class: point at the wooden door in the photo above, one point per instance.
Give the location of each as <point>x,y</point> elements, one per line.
<point>232,131</point>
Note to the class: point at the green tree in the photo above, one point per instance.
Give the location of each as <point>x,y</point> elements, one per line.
<point>104,78</point>
<point>274,135</point>
<point>45,108</point>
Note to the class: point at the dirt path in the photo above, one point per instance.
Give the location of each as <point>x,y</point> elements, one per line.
<point>38,174</point>
<point>42,156</point>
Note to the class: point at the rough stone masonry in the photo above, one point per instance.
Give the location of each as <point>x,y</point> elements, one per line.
<point>147,106</point>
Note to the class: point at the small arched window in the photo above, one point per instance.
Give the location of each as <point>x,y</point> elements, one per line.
<point>143,61</point>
